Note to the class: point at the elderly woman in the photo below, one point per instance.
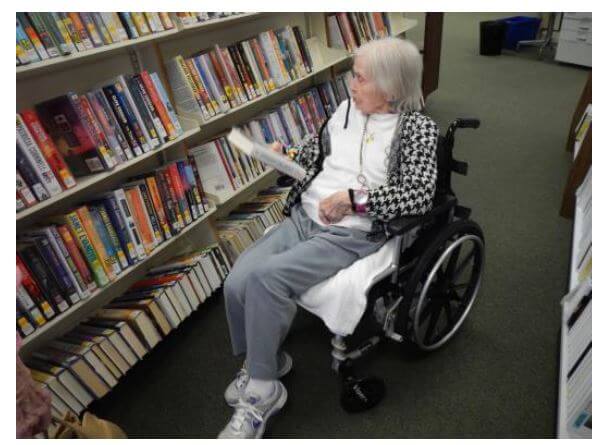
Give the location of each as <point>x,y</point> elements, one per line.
<point>379,163</point>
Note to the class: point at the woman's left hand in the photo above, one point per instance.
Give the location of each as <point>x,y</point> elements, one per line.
<point>333,208</point>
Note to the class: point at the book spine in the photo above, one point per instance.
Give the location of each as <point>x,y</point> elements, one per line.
<point>114,101</point>
<point>188,173</point>
<point>161,110</point>
<point>52,39</point>
<point>106,127</point>
<point>38,35</point>
<point>120,27</point>
<point>198,180</point>
<point>158,207</point>
<point>139,20</point>
<point>43,277</point>
<point>123,88</point>
<point>200,87</point>
<point>24,41</point>
<point>127,216</point>
<point>33,290</point>
<point>167,103</point>
<point>25,322</point>
<point>242,78</point>
<point>167,23</point>
<point>128,24</point>
<point>67,261</point>
<point>25,301</point>
<point>106,37</point>
<point>206,68</point>
<point>57,35</point>
<point>72,31</point>
<point>171,191</point>
<point>232,76</point>
<point>228,169</point>
<point>183,66</point>
<point>172,212</point>
<point>247,69</point>
<point>56,269</point>
<point>81,30</point>
<point>303,48</point>
<point>113,236</point>
<point>90,27</point>
<point>25,192</point>
<point>175,183</point>
<point>187,189</point>
<point>34,156</point>
<point>103,147</point>
<point>87,248</point>
<point>294,49</point>
<point>89,137</point>
<point>227,88</point>
<point>144,111</point>
<point>113,212</point>
<point>247,55</point>
<point>203,77</point>
<point>29,175</point>
<point>48,149</point>
<point>151,213</point>
<point>102,234</point>
<point>141,221</point>
<point>285,55</point>
<point>119,92</point>
<point>102,106</point>
<point>110,26</point>
<point>267,50</point>
<point>78,259</point>
<point>262,64</point>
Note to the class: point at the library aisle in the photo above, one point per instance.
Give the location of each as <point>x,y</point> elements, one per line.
<point>498,377</point>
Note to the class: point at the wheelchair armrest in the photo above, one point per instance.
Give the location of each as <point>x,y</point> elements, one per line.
<point>285,181</point>
<point>399,226</point>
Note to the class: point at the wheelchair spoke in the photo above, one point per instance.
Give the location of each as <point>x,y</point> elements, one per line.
<point>453,262</point>
<point>463,265</point>
<point>448,312</point>
<point>432,324</point>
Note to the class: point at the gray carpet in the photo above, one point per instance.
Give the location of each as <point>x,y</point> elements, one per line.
<point>498,377</point>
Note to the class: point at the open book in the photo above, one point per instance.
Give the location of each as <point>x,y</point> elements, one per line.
<point>263,153</point>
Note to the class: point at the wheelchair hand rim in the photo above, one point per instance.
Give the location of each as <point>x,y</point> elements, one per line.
<point>416,321</point>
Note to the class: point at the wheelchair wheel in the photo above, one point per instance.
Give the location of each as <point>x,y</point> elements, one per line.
<point>443,285</point>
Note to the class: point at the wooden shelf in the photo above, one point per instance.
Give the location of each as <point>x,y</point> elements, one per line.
<point>96,183</point>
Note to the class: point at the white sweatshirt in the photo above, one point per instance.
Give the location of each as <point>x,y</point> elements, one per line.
<point>340,170</point>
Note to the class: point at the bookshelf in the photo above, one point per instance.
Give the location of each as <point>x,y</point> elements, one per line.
<point>575,364</point>
<point>79,72</point>
<point>68,61</point>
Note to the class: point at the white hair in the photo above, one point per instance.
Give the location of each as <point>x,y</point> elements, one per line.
<point>395,66</point>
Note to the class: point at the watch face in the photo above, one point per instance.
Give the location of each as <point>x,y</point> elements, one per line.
<point>360,197</point>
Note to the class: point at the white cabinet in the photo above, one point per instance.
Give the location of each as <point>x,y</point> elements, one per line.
<point>575,39</point>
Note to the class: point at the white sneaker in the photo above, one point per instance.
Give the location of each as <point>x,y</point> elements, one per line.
<point>236,387</point>
<point>251,414</point>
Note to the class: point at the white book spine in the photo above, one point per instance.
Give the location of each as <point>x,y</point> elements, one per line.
<point>34,156</point>
<point>271,59</point>
<point>260,86</point>
<point>165,100</point>
<point>215,85</point>
<point>185,99</point>
<point>127,216</point>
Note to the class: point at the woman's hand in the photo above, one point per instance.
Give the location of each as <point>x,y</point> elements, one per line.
<point>276,147</point>
<point>333,208</point>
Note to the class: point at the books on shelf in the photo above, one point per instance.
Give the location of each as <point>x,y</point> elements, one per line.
<point>191,18</point>
<point>76,135</point>
<point>581,129</point>
<point>77,253</point>
<point>247,222</point>
<point>349,30</point>
<point>575,390</point>
<point>88,361</point>
<point>217,79</point>
<point>48,35</point>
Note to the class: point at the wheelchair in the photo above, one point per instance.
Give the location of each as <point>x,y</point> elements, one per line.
<point>426,293</point>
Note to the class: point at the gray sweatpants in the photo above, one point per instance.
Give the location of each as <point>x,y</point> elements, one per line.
<point>260,290</point>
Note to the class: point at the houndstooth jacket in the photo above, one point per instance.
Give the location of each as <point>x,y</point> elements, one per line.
<point>411,174</point>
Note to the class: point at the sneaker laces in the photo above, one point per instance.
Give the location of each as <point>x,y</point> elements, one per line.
<point>244,411</point>
<point>242,377</point>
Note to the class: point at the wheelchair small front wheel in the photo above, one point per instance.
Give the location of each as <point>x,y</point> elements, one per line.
<point>443,285</point>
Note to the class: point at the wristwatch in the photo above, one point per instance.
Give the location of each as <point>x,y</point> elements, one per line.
<point>359,199</point>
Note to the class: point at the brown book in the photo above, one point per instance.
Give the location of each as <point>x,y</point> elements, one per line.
<point>137,320</point>
<point>150,307</point>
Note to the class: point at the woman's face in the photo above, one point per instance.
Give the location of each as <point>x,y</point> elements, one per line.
<point>365,94</point>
